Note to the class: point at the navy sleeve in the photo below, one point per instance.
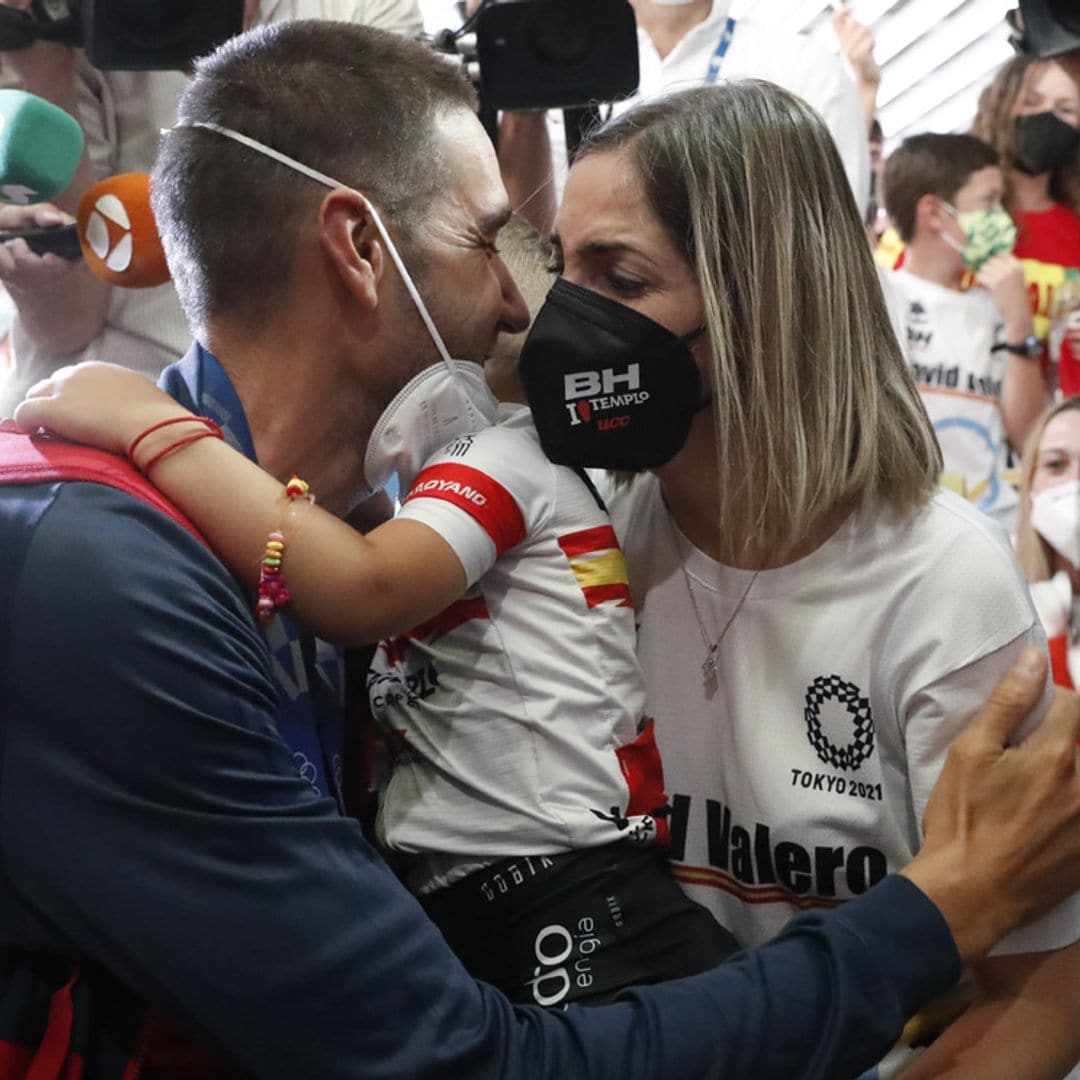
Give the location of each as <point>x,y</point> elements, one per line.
<point>150,815</point>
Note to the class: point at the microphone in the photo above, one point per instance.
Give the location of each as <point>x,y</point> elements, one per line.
<point>40,148</point>
<point>118,234</point>
<point>114,232</point>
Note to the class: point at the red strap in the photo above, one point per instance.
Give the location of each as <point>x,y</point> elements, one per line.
<point>41,460</point>
<point>1059,661</point>
<point>53,1060</point>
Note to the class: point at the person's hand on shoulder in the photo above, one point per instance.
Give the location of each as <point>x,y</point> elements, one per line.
<point>1002,827</point>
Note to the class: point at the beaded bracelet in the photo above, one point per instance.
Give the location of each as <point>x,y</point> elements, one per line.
<point>211,430</point>
<point>273,593</point>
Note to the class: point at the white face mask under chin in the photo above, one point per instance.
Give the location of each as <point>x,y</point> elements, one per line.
<point>434,408</point>
<point>1055,516</point>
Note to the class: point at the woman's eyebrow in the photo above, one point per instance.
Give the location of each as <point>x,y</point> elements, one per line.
<point>599,247</point>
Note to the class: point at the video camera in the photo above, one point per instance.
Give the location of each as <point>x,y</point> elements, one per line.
<point>527,55</point>
<point>126,35</point>
<point>1046,28</point>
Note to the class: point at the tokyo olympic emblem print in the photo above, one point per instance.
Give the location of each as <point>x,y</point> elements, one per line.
<point>827,688</point>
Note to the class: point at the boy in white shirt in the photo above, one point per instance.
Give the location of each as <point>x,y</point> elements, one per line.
<point>968,323</point>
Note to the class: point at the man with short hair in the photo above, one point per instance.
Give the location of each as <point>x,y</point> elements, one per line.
<point>167,774</point>
<point>63,312</point>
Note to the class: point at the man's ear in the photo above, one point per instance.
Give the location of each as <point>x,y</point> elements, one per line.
<point>350,238</point>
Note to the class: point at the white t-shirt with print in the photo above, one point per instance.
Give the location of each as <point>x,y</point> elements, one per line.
<point>955,349</point>
<point>800,777</point>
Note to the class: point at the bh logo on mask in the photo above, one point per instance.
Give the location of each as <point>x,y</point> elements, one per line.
<point>609,388</point>
<point>588,392</point>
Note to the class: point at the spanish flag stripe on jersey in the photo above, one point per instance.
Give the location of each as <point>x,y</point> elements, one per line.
<point>600,594</point>
<point>598,565</point>
<point>588,541</point>
<point>485,500</point>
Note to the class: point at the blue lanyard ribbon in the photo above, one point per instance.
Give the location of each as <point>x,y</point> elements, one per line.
<point>716,61</point>
<point>310,674</point>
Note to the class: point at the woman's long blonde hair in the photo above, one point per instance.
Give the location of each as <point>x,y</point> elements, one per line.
<point>812,398</point>
<point>1035,555</point>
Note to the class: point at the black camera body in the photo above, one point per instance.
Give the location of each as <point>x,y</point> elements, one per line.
<point>126,35</point>
<point>1050,27</point>
<point>556,54</point>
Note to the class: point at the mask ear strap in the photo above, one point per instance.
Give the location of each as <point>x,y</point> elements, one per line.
<point>330,182</point>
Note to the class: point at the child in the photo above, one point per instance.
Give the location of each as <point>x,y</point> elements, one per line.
<point>526,804</point>
<point>972,351</point>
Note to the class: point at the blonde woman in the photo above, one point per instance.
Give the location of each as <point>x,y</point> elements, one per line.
<point>1048,532</point>
<point>816,621</point>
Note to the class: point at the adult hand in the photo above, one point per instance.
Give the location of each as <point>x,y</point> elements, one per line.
<point>1003,277</point>
<point>102,405</point>
<point>1002,827</point>
<point>857,45</point>
<point>21,270</point>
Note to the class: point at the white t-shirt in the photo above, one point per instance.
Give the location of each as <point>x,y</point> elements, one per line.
<point>756,51</point>
<point>515,714</point>
<point>800,778</point>
<point>955,349</point>
<point>122,114</point>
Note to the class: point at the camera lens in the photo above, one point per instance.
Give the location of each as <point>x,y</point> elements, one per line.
<point>563,38</point>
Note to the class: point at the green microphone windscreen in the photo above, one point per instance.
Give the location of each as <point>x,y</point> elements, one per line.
<point>40,148</point>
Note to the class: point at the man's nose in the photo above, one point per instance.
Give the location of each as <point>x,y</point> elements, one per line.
<point>514,315</point>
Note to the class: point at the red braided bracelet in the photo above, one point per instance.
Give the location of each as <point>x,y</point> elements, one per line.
<point>212,428</point>
<point>195,436</point>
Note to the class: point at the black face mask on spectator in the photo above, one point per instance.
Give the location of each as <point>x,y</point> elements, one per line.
<point>609,388</point>
<point>1044,142</point>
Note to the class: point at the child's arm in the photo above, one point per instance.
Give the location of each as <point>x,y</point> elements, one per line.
<point>348,588</point>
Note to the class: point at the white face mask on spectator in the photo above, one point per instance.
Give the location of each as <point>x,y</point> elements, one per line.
<point>1055,516</point>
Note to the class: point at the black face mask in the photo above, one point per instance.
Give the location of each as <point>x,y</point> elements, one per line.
<point>608,387</point>
<point>1043,143</point>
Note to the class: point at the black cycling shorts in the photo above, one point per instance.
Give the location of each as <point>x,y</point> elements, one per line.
<point>578,926</point>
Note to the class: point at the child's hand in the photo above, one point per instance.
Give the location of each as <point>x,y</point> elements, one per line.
<point>101,405</point>
<point>1003,277</point>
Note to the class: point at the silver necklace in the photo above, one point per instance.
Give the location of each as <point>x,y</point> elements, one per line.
<point>708,665</point>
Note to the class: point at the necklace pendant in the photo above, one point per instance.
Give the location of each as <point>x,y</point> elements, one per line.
<point>708,667</point>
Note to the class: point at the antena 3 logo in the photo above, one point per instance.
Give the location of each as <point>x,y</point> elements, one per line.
<point>108,233</point>
<point>589,392</point>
